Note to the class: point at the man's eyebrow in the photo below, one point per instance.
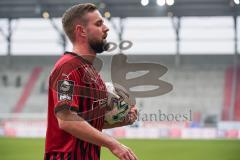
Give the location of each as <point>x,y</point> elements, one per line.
<point>99,20</point>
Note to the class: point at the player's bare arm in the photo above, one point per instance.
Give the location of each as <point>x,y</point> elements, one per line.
<point>78,127</point>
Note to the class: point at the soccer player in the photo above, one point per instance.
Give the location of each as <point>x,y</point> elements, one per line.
<point>77,97</point>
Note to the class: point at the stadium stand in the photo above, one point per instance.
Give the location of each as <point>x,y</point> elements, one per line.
<point>197,86</point>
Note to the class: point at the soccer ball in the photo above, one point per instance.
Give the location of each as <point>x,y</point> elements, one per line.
<point>118,102</point>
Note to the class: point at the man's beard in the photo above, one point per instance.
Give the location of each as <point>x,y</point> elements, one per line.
<point>98,46</point>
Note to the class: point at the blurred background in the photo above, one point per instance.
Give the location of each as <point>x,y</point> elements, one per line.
<point>197,40</point>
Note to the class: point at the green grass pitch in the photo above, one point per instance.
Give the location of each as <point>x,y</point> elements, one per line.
<point>32,149</point>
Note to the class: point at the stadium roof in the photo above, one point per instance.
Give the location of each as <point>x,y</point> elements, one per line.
<point>120,8</point>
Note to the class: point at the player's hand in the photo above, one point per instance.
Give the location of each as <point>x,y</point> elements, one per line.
<point>132,116</point>
<point>123,152</point>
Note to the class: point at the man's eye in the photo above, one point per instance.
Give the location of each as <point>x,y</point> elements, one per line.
<point>99,23</point>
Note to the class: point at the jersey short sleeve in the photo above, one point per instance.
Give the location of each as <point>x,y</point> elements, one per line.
<point>63,86</point>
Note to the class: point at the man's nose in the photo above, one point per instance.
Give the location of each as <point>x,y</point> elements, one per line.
<point>105,28</point>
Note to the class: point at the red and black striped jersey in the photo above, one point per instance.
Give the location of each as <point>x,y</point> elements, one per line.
<point>74,84</point>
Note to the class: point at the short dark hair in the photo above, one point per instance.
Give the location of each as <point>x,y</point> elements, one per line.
<point>74,15</point>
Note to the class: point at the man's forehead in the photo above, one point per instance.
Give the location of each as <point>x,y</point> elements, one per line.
<point>94,16</point>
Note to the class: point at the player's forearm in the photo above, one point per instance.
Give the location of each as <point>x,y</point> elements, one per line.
<point>81,129</point>
<point>84,131</point>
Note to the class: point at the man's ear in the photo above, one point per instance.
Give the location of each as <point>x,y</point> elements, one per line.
<point>80,30</point>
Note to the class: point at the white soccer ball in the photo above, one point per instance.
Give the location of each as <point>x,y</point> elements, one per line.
<point>119,104</point>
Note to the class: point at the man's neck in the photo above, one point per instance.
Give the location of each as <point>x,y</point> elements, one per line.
<point>85,52</point>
